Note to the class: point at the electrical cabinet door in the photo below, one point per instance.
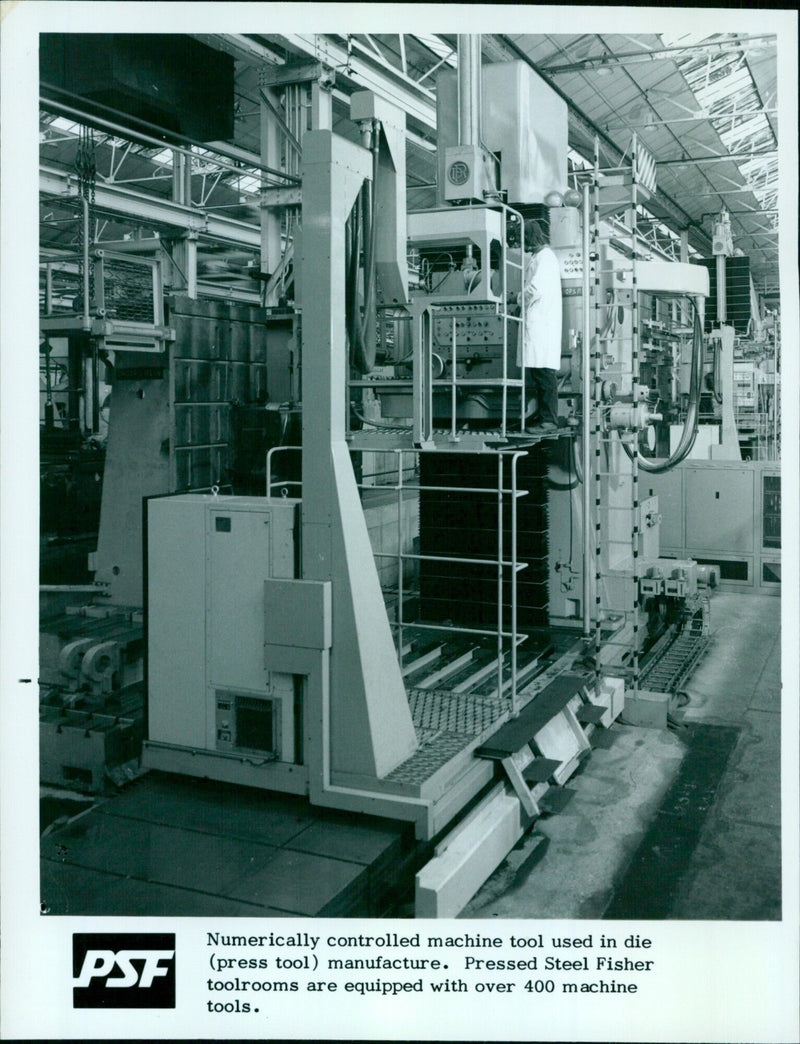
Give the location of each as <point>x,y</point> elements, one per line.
<point>238,564</point>
<point>720,509</point>
<point>176,543</point>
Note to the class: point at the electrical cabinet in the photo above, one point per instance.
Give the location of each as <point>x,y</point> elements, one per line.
<point>208,558</point>
<point>523,119</point>
<point>719,509</point>
<point>727,514</point>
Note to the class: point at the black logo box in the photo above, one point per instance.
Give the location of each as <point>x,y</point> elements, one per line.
<point>125,947</point>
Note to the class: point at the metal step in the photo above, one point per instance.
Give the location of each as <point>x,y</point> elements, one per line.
<point>518,733</point>
<point>540,770</point>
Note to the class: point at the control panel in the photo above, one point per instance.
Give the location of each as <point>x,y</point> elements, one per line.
<point>570,262</point>
<point>475,328</point>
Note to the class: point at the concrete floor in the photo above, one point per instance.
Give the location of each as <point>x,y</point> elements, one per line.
<point>574,863</point>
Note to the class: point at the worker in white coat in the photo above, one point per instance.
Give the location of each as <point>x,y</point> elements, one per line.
<point>540,352</point>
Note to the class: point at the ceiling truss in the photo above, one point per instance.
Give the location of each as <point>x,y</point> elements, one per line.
<point>705,108</point>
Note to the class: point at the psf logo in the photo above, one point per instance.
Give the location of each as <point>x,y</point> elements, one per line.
<point>123,971</point>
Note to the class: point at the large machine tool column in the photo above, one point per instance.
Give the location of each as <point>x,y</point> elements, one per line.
<point>371,731</point>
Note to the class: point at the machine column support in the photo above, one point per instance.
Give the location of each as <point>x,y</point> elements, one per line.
<point>391,233</point>
<point>469,89</point>
<point>321,107</point>
<point>370,721</point>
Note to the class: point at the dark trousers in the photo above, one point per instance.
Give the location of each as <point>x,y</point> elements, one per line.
<point>542,385</point>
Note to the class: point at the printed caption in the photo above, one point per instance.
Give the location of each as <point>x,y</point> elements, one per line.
<point>247,969</point>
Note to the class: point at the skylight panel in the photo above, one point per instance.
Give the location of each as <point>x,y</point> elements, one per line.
<point>433,43</point>
<point>63,124</point>
<point>163,158</point>
<point>675,38</point>
<point>753,133</point>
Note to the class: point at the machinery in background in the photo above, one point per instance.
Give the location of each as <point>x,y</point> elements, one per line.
<point>147,389</point>
<point>273,659</point>
<point>497,164</point>
<point>723,505</point>
<point>145,393</point>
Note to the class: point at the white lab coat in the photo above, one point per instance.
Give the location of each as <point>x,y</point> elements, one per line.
<point>541,324</point>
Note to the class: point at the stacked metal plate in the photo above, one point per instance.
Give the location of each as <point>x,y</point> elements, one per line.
<point>460,519</point>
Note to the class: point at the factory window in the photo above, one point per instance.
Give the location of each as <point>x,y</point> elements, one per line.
<point>771,511</point>
<point>770,572</point>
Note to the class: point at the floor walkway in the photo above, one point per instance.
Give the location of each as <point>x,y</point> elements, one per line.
<point>696,806</point>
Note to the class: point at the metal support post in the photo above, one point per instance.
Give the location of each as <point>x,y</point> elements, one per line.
<point>515,708</point>
<point>597,409</point>
<point>586,380</point>
<point>271,217</point>
<point>94,363</point>
<point>453,385</point>
<point>422,392</point>
<point>500,575</point>
<point>634,385</point>
<point>400,583</point>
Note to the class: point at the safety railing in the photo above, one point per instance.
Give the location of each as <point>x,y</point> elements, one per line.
<point>283,484</point>
<point>505,560</point>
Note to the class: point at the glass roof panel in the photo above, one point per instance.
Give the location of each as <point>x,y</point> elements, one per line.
<point>724,87</point>
<point>435,44</point>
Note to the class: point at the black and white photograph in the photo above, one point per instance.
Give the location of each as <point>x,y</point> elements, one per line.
<point>399,521</point>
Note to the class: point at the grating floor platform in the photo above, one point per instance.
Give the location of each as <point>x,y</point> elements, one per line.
<point>446,724</point>
<point>463,713</point>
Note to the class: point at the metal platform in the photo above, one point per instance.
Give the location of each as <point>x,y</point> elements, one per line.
<point>390,439</point>
<point>452,722</point>
<point>173,845</point>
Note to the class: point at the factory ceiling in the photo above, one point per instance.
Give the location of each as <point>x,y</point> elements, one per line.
<point>706,108</point>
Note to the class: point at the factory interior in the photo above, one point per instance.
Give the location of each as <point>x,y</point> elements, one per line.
<point>327,626</point>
